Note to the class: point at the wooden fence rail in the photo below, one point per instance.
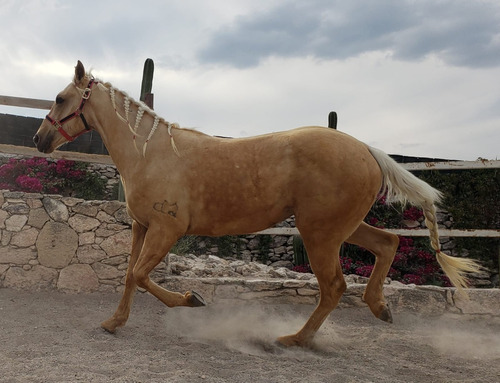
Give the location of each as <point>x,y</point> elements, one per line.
<point>58,154</point>
<point>468,233</point>
<point>26,102</point>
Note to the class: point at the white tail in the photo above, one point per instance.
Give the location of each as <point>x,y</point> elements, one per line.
<point>402,186</point>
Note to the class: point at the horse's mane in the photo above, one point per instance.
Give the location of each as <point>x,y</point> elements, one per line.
<point>146,108</point>
<point>142,108</point>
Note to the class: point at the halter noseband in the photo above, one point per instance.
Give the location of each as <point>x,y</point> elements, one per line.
<point>58,124</point>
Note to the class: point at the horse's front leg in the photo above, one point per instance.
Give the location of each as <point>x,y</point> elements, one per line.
<point>120,317</point>
<point>156,245</point>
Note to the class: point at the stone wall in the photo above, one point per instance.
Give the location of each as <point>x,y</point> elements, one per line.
<point>54,242</point>
<point>49,241</point>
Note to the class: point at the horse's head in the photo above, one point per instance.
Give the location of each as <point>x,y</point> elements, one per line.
<point>65,120</point>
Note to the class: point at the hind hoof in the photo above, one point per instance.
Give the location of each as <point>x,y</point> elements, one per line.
<point>196,300</point>
<point>386,315</point>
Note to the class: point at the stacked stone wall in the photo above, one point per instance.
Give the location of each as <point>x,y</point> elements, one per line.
<point>73,245</point>
<point>49,241</point>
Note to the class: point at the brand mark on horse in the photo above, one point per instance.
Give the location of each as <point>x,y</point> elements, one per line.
<point>166,207</point>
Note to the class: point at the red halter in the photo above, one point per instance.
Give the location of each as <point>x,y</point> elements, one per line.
<point>58,124</point>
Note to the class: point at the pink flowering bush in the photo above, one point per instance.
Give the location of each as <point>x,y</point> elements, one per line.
<point>39,175</point>
<point>27,183</point>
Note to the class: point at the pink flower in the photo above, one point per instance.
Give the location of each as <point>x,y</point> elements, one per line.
<point>413,278</point>
<point>364,271</point>
<point>413,214</point>
<point>400,260</point>
<point>29,184</point>
<point>346,264</point>
<point>382,199</point>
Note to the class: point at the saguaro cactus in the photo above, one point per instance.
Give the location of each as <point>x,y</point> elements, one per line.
<point>147,82</point>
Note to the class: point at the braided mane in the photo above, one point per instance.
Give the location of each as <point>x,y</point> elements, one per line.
<point>141,109</point>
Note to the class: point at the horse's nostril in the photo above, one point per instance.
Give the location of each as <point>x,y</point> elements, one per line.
<point>36,139</point>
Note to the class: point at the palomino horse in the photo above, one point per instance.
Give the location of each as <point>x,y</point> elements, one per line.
<point>179,181</point>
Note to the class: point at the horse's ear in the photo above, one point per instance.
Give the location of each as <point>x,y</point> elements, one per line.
<point>79,73</point>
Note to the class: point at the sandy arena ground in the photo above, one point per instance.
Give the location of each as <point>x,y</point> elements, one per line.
<point>55,337</point>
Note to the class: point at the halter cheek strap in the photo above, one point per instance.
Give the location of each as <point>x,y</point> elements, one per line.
<point>58,124</point>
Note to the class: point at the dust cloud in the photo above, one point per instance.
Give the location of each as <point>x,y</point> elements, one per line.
<point>250,329</point>
<point>469,340</point>
<point>253,328</point>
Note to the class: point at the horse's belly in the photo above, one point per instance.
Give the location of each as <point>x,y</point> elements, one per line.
<point>235,221</point>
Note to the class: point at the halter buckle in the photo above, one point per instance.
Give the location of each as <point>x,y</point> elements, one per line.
<point>86,93</point>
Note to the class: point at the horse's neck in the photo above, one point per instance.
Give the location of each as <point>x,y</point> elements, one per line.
<point>125,128</point>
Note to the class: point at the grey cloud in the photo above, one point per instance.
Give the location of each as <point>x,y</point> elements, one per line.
<point>462,33</point>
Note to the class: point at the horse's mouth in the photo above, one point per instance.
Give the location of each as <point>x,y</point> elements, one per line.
<point>43,144</point>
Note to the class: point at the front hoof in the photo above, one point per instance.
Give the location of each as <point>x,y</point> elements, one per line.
<point>196,300</point>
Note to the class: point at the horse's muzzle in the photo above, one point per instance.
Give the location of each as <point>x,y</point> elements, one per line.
<point>43,145</point>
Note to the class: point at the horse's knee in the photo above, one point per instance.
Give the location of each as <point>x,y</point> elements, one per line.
<point>333,291</point>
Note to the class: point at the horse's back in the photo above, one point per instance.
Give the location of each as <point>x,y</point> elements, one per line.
<point>258,181</point>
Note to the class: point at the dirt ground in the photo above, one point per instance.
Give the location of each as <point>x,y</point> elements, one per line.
<point>55,337</point>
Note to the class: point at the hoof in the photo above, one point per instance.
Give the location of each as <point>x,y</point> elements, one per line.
<point>196,300</point>
<point>386,315</point>
<point>292,341</point>
<point>106,327</point>
<point>268,347</point>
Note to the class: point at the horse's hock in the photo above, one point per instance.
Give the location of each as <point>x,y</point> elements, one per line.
<point>73,245</point>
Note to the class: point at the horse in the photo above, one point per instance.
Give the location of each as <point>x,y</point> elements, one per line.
<point>179,181</point>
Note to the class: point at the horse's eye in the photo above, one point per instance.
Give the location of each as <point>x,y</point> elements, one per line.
<point>59,100</point>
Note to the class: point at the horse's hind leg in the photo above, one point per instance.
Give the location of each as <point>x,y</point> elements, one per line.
<point>121,314</point>
<point>383,245</point>
<point>324,260</point>
<point>156,245</point>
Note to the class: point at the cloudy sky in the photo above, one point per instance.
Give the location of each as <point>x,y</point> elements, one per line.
<point>418,78</point>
